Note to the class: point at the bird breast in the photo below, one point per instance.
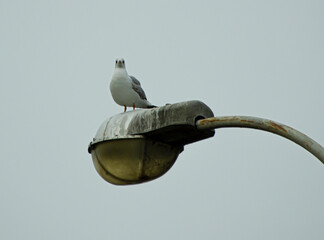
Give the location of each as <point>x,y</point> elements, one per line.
<point>121,90</point>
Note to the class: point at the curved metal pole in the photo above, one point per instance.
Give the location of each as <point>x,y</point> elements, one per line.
<point>267,125</point>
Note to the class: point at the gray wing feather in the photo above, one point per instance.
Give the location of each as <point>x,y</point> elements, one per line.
<point>134,80</point>
<point>136,85</point>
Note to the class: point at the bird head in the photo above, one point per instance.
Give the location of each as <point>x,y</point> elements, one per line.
<point>120,63</point>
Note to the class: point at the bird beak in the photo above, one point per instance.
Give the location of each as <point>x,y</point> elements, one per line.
<point>119,63</point>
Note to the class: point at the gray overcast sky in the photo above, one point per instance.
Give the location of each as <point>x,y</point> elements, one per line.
<point>258,58</point>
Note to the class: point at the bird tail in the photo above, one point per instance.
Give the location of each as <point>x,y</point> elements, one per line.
<point>151,106</point>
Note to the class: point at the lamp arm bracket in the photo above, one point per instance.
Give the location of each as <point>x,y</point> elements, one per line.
<point>266,125</point>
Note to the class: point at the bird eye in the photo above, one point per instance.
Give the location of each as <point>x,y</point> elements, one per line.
<point>116,61</point>
<point>123,61</point>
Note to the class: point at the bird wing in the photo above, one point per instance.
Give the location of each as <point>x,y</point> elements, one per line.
<point>136,85</point>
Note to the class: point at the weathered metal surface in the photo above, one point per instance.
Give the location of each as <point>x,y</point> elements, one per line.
<point>267,125</point>
<point>173,124</point>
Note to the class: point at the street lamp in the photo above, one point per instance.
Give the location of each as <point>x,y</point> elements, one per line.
<point>141,145</point>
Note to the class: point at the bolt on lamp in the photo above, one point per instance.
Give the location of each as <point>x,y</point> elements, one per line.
<point>141,145</point>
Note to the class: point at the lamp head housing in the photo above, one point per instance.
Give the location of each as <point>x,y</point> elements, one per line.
<point>141,145</point>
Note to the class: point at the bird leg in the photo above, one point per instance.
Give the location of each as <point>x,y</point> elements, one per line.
<point>133,106</point>
<point>125,108</point>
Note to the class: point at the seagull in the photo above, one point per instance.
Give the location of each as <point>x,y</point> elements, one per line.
<point>126,90</point>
